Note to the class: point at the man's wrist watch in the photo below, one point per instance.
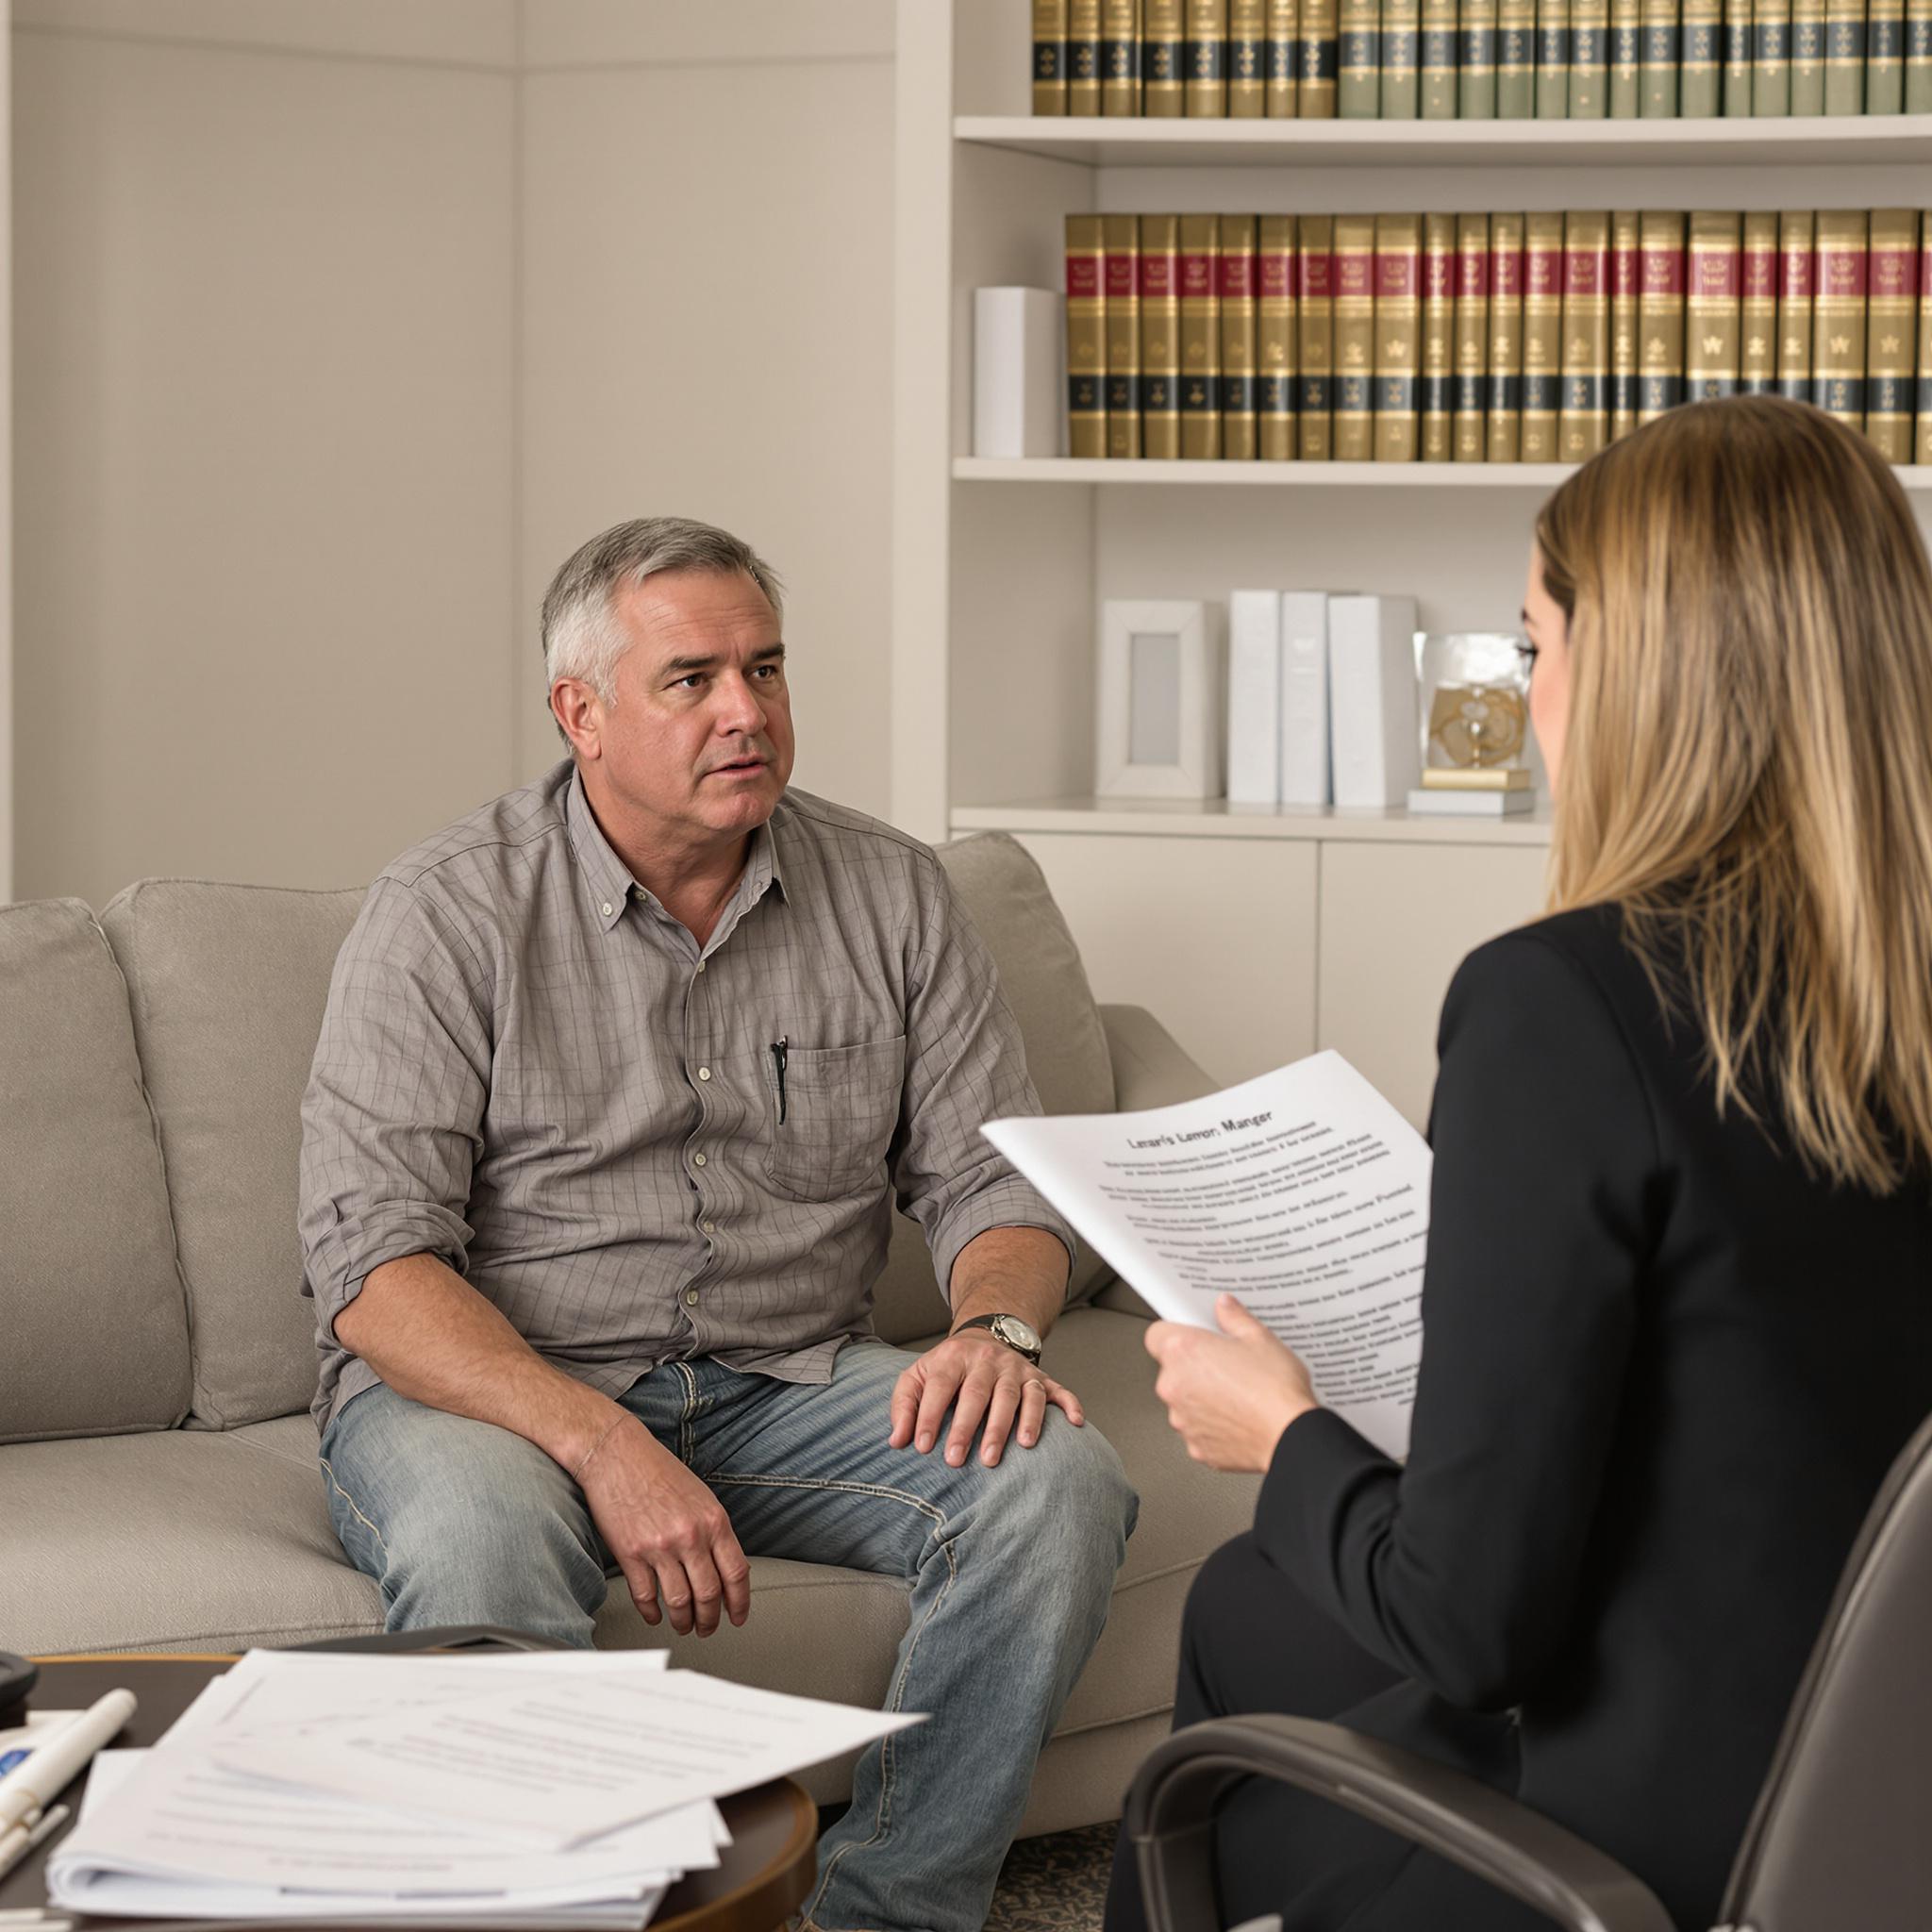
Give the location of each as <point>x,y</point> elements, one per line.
<point>1020,1337</point>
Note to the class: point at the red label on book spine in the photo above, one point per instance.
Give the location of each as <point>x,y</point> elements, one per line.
<point>1318,276</point>
<point>1278,276</point>
<point>1545,270</point>
<point>1894,271</point>
<point>1439,277</point>
<point>1796,276</point>
<point>1237,275</point>
<point>1760,271</point>
<point>1663,272</point>
<point>1083,278</point>
<point>1197,276</point>
<point>1584,272</point>
<point>1623,271</point>
<point>1506,272</point>
<point>1120,274</point>
<point>1473,272</point>
<point>1396,276</point>
<point>1156,275</point>
<point>1840,270</point>
<point>1715,272</point>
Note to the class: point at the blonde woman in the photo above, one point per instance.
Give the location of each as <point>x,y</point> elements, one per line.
<point>1677,1310</point>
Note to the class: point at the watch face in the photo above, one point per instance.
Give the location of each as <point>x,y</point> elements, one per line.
<point>1016,1333</point>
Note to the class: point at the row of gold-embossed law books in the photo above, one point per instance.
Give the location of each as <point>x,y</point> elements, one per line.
<point>1480,59</point>
<point>1485,338</point>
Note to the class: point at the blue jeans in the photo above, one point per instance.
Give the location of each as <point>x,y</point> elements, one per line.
<point>1011,1570</point>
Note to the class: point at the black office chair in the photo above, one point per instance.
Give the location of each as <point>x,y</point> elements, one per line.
<point>1841,1836</point>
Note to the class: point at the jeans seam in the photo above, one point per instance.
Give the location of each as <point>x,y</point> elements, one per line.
<point>882,1817</point>
<point>687,1438</point>
<point>328,1470</point>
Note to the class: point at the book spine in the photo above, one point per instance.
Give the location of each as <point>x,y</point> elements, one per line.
<point>1515,59</point>
<point>1247,60</point>
<point>1543,335</point>
<point>1758,309</point>
<point>1922,445</point>
<point>1436,399</point>
<point>1845,56</point>
<point>1770,37</point>
<point>1700,86</point>
<point>1358,90</point>
<point>1354,337</point>
<point>1305,698</point>
<point>1439,59</point>
<point>1808,56</point>
<point>1315,338</point>
<point>1919,65</point>
<point>1892,306</point>
<point>1797,285</point>
<point>1254,697</point>
<point>1739,57</point>
<point>1318,52</point>
<point>1402,46</point>
<point>1477,77</point>
<point>1627,59</point>
<point>1506,338</point>
<point>1119,58</point>
<point>1660,54</point>
<point>1710,323</point>
<point>1083,56</point>
<point>1838,317</point>
<point>1552,59</point>
<point>1121,237</point>
<point>1358,54</point>
<point>1275,267</point>
<point>1584,426</point>
<point>1472,398</point>
<point>1589,59</point>
<point>1659,312</point>
<point>1235,281</point>
<point>1206,59</point>
<point>1160,336</point>
<point>1624,286</point>
<point>1049,56</point>
<point>1200,338</point>
<point>1885,56</point>
<point>1086,336</point>
<point>1163,50</point>
<point>1284,35</point>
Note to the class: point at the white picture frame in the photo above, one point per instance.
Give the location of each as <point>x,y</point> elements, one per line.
<point>1161,694</point>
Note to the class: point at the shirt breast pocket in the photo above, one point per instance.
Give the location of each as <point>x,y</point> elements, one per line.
<point>840,1107</point>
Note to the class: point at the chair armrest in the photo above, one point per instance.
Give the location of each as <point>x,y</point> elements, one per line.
<point>1149,1067</point>
<point>1170,1821</point>
<point>1149,1070</point>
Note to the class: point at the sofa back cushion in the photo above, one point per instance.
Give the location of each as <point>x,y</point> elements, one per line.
<point>93,1329</point>
<point>227,985</point>
<point>1003,890</point>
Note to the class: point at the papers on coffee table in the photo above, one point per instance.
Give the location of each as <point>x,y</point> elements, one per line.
<point>551,1789</point>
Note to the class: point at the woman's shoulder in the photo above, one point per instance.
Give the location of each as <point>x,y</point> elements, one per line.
<point>1586,948</point>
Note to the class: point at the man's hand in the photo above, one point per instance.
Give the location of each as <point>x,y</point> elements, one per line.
<point>667,1530</point>
<point>976,1377</point>
<point>1229,1396</point>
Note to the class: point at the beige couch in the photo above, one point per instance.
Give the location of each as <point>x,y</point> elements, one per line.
<point>158,1488</point>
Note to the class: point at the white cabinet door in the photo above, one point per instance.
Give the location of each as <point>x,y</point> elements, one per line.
<point>1214,937</point>
<point>1396,921</point>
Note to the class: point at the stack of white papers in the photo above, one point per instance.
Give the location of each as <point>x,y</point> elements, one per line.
<point>560,1789</point>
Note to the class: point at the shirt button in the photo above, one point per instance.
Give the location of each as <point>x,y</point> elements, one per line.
<point>710,1227</point>
<point>701,965</point>
<point>690,1297</point>
<point>697,1160</point>
<point>607,909</point>
<point>703,1072</point>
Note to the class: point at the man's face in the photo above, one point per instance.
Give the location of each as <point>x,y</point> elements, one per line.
<point>699,742</point>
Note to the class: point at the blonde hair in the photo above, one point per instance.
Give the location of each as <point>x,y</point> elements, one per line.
<point>1747,764</point>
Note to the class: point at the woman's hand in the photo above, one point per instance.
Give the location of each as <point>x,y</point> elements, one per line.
<point>1229,1395</point>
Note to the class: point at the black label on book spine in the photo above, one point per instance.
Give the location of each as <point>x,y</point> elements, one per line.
<point>1587,394</point>
<point>1626,45</point>
<point>1437,394</point>
<point>1589,46</point>
<point>1205,60</point>
<point>1156,397</point>
<point>1659,392</point>
<point>1773,38</point>
<point>1164,61</point>
<point>1518,45</point>
<point>1121,59</point>
<point>1887,40</point>
<point>1660,44</point>
<point>1798,387</point>
<point>1844,40</point>
<point>1281,61</point>
<point>1399,49</point>
<point>1623,393</point>
<point>1353,396</point>
<point>1317,393</point>
<point>1238,394</point>
<point>1361,49</point>
<point>1049,60</point>
<point>1505,394</point>
<point>1553,46</point>
<point>1738,42</point>
<point>1843,394</point>
<point>1710,389</point>
<point>1395,395</point>
<point>1888,396</point>
<point>1083,395</point>
<point>1543,394</point>
<point>1319,61</point>
<point>1198,396</point>
<point>1925,395</point>
<point>1471,394</point>
<point>1478,45</point>
<point>1276,396</point>
<point>1123,393</point>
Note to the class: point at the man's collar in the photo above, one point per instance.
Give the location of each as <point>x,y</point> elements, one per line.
<point>608,880</point>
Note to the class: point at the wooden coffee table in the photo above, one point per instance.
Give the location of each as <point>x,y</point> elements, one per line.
<point>763,1874</point>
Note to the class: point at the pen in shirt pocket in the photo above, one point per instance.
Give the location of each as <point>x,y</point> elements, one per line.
<point>782,1050</point>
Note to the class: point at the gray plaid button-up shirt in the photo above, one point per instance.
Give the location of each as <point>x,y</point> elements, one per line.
<point>528,1069</point>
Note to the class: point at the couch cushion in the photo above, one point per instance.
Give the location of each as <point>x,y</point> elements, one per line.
<point>1006,894</point>
<point>93,1331</point>
<point>227,984</point>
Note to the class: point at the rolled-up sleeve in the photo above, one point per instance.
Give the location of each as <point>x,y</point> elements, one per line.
<point>965,1065</point>
<point>392,1116</point>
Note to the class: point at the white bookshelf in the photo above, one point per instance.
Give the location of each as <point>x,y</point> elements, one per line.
<point>1341,929</point>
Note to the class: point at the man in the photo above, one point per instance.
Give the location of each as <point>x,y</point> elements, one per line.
<point>595,1185</point>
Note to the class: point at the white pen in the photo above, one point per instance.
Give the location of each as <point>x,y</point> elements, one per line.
<point>27,1790</point>
<point>17,1843</point>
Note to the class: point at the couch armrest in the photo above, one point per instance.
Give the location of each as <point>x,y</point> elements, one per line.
<point>1171,1822</point>
<point>1149,1070</point>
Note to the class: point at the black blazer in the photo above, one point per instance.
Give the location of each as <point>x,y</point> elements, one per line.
<point>1663,1374</point>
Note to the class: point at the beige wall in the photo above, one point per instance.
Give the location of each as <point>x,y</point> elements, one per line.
<point>341,321</point>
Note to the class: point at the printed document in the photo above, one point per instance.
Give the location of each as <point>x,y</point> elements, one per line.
<point>1302,1194</point>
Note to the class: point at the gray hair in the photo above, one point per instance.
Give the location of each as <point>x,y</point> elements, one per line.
<point>582,639</point>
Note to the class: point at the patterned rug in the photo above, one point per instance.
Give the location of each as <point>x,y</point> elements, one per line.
<point>1054,1884</point>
